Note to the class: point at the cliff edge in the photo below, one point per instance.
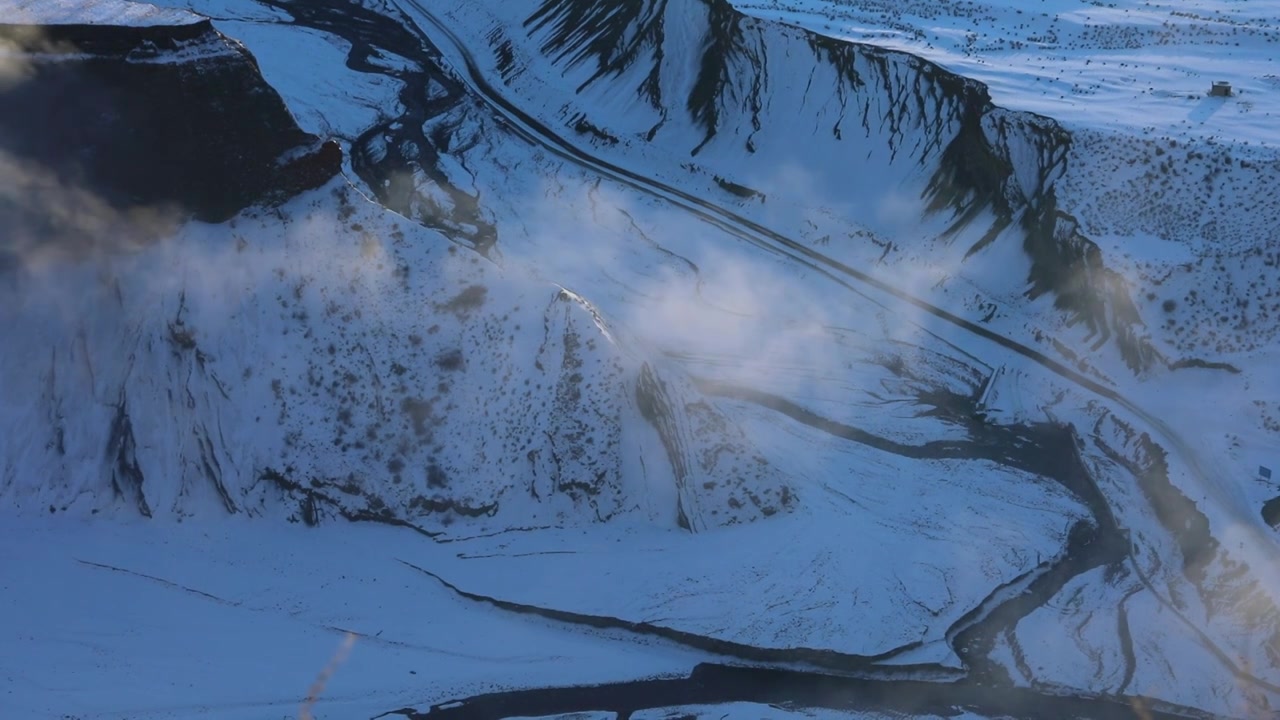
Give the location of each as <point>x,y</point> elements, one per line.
<point>113,109</point>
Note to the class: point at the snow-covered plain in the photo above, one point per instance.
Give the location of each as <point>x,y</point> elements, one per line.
<point>236,618</point>
<point>92,12</point>
<point>1144,67</point>
<point>875,551</point>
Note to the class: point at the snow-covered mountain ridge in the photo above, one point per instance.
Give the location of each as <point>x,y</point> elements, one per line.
<point>325,358</point>
<point>816,208</point>
<point>1139,67</point>
<point>946,166</point>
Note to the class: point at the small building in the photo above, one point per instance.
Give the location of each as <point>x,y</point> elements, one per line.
<point>1221,88</point>
<point>1264,472</point>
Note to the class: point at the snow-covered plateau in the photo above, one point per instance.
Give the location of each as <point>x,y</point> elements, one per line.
<point>647,359</point>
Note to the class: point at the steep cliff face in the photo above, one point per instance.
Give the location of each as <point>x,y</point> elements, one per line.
<point>157,121</point>
<point>796,128</point>
<point>1070,266</point>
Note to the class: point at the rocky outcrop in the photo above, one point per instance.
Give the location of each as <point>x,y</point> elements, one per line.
<point>127,124</point>
<point>1070,266</point>
<point>720,478</point>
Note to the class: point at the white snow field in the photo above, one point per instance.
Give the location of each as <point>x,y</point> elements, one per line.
<point>1142,67</point>
<point>236,618</point>
<point>743,372</point>
<point>92,12</point>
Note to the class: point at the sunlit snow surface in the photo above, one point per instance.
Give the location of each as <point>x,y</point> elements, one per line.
<point>91,12</point>
<point>123,619</point>
<point>1176,187</point>
<point>236,618</point>
<point>1145,67</point>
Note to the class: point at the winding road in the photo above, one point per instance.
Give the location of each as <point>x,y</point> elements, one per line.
<point>533,131</point>
<point>1215,485</point>
<point>466,71</point>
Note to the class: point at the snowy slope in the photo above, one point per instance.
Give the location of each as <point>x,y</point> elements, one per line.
<point>335,355</point>
<point>294,363</point>
<point>596,209</point>
<point>988,286</point>
<point>1173,185</point>
<point>875,565</point>
<point>1174,188</point>
<point>865,157</point>
<point>327,358</point>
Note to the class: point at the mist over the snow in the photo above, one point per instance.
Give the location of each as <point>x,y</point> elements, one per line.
<point>570,358</point>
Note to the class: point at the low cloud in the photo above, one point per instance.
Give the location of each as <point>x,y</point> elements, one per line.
<point>47,218</point>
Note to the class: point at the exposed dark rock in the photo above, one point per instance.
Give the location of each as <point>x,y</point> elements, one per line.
<point>308,170</point>
<point>721,479</point>
<point>471,298</point>
<point>122,451</point>
<point>142,124</point>
<point>741,191</point>
<point>656,407</point>
<point>612,34</point>
<point>1185,363</point>
<point>1271,512</point>
<point>1070,266</point>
